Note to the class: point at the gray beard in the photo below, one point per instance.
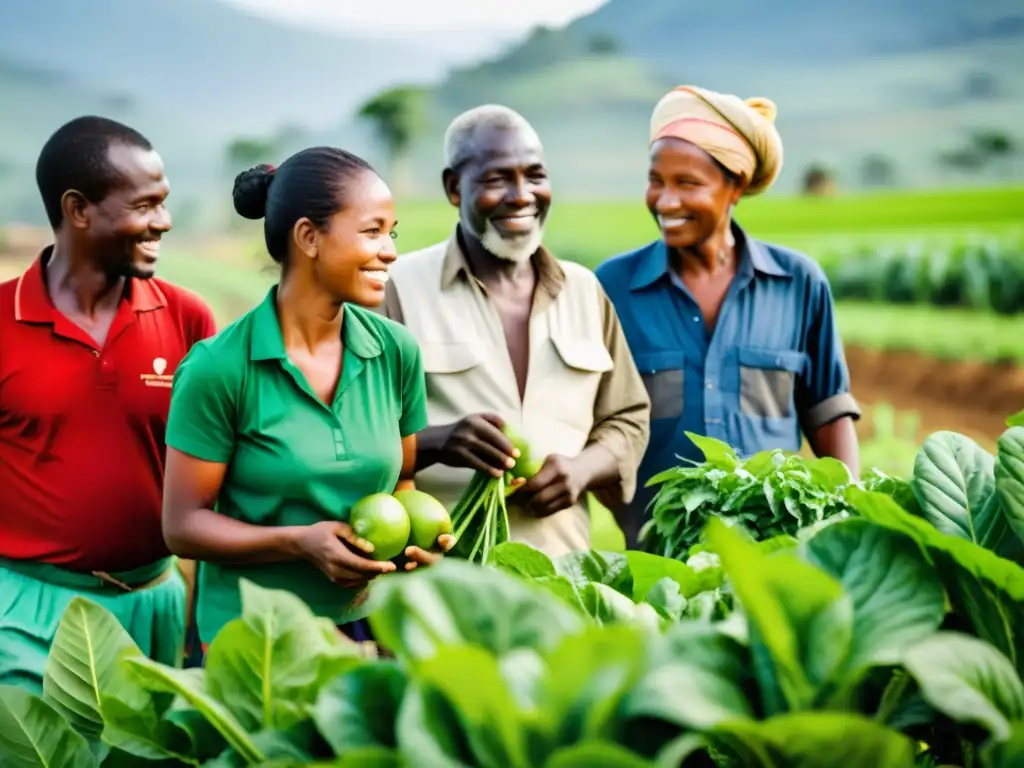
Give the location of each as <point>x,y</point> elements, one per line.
<point>517,249</point>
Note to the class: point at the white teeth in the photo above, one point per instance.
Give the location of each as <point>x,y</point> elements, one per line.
<point>666,222</point>
<point>379,275</point>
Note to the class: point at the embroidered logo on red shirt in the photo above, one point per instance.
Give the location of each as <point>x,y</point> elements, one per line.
<point>157,378</point>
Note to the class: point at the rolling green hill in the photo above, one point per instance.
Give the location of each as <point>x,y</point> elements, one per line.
<point>890,84</point>
<point>191,74</point>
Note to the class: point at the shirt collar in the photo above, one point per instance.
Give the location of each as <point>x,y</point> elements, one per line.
<point>550,276</point>
<point>755,257</point>
<point>266,342</point>
<point>32,303</point>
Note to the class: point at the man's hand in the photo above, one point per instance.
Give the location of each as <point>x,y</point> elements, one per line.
<point>558,485</point>
<point>477,442</point>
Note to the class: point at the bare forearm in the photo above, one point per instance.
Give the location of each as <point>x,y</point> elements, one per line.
<point>203,534</point>
<point>838,439</point>
<point>429,443</point>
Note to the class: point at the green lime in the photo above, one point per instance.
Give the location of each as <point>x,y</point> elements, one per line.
<point>427,517</point>
<point>382,520</point>
<point>526,466</point>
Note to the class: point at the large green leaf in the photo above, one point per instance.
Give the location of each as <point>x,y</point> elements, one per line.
<point>954,483</point>
<point>968,680</point>
<point>1009,753</point>
<point>986,590</point>
<point>149,727</point>
<point>587,678</point>
<point>360,708</point>
<point>83,663</point>
<point>586,567</point>
<point>429,730</point>
<point>33,734</point>
<point>521,559</point>
<point>596,754</point>
<point>801,619</point>
<point>455,602</point>
<point>802,740</point>
<point>604,604</point>
<point>278,748</point>
<point>648,570</point>
<point>697,678</point>
<point>268,666</point>
<point>481,713</point>
<point>897,596</point>
<point>1016,420</point>
<point>1009,473</point>
<point>189,684</point>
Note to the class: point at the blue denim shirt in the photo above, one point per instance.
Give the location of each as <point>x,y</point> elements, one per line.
<point>772,368</point>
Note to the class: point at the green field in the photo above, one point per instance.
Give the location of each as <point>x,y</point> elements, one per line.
<point>591,232</point>
<point>233,272</point>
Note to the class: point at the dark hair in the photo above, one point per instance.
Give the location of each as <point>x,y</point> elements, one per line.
<point>309,184</point>
<point>77,157</point>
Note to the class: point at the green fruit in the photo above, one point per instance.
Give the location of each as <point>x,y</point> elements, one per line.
<point>382,520</point>
<point>526,466</point>
<point>427,517</point>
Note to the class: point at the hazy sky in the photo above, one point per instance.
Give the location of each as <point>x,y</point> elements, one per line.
<point>387,18</point>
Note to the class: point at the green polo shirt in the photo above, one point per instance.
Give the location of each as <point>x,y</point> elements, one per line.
<point>292,459</point>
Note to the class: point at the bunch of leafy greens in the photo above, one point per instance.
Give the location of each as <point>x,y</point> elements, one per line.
<point>480,517</point>
<point>770,494</point>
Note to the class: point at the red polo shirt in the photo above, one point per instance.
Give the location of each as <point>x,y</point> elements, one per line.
<point>82,427</point>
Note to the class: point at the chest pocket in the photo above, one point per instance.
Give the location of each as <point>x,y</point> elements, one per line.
<point>767,381</point>
<point>456,357</point>
<point>583,362</point>
<point>664,377</point>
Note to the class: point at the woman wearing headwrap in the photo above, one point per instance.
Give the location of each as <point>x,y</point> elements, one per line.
<point>736,338</point>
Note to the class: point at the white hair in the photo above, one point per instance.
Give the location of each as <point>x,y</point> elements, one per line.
<point>458,139</point>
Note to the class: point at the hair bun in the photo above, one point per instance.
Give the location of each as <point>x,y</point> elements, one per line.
<point>250,192</point>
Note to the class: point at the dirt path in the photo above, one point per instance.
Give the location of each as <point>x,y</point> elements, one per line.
<point>970,398</point>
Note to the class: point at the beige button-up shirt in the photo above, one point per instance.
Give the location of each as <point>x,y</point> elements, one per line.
<point>582,384</point>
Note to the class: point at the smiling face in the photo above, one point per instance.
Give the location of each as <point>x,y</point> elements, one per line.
<point>124,229</point>
<point>353,251</point>
<point>502,192</point>
<point>688,193</point>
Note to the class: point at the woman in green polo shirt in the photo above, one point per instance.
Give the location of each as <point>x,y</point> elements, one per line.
<point>301,407</point>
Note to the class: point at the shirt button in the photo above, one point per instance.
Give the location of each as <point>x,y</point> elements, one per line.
<point>95,353</point>
<point>696,319</point>
<point>710,385</point>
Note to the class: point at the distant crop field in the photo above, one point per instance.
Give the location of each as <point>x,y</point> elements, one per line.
<point>592,232</point>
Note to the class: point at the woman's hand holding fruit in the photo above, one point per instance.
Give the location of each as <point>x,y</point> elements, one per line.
<point>416,556</point>
<point>324,545</point>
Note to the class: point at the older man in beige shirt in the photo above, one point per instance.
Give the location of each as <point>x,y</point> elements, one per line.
<point>510,334</point>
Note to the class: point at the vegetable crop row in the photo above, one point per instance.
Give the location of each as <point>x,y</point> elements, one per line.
<point>985,275</point>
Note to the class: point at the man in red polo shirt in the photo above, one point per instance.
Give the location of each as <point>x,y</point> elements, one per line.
<point>89,342</point>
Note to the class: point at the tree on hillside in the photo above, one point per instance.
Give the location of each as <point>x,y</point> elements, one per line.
<point>877,171</point>
<point>603,44</point>
<point>983,149</point>
<point>398,116</point>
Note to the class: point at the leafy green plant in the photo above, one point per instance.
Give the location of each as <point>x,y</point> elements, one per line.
<point>772,493</point>
<point>977,274</point>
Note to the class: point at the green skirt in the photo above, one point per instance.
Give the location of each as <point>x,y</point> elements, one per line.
<point>33,597</point>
